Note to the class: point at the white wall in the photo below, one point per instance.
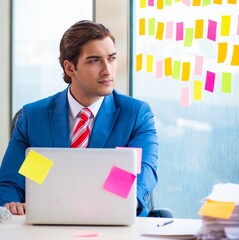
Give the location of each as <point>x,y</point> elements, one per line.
<point>5,74</point>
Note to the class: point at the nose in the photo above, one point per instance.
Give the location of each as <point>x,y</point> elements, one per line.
<point>106,68</point>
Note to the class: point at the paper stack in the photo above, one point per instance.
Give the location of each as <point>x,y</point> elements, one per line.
<point>220,213</point>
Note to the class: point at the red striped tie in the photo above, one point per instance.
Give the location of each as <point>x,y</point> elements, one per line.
<point>80,136</point>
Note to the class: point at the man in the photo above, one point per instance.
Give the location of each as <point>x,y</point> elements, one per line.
<point>88,59</point>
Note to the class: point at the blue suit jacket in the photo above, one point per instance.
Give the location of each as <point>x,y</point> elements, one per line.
<point>121,121</point>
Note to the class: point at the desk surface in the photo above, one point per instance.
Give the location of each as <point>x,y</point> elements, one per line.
<point>16,228</point>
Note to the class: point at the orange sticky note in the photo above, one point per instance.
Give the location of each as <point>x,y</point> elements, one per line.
<point>217,209</point>
<point>139,62</point>
<point>36,167</point>
<point>199,28</point>
<point>160,30</point>
<point>222,52</point>
<point>186,71</point>
<point>142,26</point>
<point>168,66</point>
<point>235,58</point>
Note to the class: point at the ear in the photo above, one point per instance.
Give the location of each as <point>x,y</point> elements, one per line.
<point>69,67</point>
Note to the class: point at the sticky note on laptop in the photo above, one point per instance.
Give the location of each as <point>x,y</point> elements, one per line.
<point>35,167</point>
<point>139,156</point>
<point>119,182</point>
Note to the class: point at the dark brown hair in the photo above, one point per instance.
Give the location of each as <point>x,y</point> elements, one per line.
<point>75,37</point>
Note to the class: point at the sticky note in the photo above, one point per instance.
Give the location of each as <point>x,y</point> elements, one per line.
<point>188,37</point>
<point>85,234</point>
<point>142,26</point>
<point>197,90</point>
<point>119,182</point>
<point>232,1</point>
<point>215,209</point>
<point>168,2</point>
<point>186,71</point>
<point>160,4</point>
<point>159,69</point>
<point>143,3</point>
<point>185,97</point>
<point>235,58</point>
<point>149,63</point>
<point>217,1</point>
<point>150,3</point>
<point>36,167</point>
<point>160,30</point>
<point>139,156</point>
<point>196,3</point>
<point>210,81</point>
<point>139,62</point>
<point>151,27</point>
<point>206,2</point>
<point>198,65</point>
<point>187,2</point>
<point>222,52</point>
<point>176,70</point>
<point>238,25</point>
<point>179,31</point>
<point>168,66</point>
<point>226,82</point>
<point>225,25</point>
<point>169,30</point>
<point>199,25</point>
<point>212,30</point>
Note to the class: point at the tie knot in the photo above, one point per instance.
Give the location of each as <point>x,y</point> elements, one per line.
<point>85,114</point>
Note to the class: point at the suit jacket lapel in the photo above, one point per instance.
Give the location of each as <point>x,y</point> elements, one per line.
<point>59,121</point>
<point>104,122</point>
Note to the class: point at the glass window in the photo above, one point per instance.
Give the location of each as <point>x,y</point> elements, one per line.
<point>185,65</point>
<point>37,30</point>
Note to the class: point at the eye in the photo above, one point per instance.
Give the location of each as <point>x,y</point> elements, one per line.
<point>112,58</point>
<point>93,60</point>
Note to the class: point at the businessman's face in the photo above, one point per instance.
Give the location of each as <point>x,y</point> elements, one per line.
<point>95,72</point>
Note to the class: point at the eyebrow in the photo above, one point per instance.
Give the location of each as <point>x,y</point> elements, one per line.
<point>98,57</point>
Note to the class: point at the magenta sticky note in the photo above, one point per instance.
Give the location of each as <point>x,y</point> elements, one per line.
<point>212,30</point>
<point>151,3</point>
<point>179,31</point>
<point>210,81</point>
<point>119,182</point>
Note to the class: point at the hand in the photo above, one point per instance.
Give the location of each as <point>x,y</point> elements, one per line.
<point>16,208</point>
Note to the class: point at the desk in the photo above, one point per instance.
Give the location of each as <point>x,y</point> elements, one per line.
<point>16,229</point>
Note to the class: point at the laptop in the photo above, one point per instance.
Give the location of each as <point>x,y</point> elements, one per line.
<point>72,192</point>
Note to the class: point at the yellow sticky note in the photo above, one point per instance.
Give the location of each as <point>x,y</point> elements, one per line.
<point>222,52</point>
<point>235,58</point>
<point>36,167</point>
<point>197,90</point>
<point>225,26</point>
<point>142,26</point>
<point>142,3</point>
<point>150,63</point>
<point>217,209</point>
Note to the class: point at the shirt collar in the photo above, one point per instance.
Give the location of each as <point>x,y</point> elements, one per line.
<point>75,107</point>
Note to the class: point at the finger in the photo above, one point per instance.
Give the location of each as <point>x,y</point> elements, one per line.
<point>20,208</point>
<point>13,208</point>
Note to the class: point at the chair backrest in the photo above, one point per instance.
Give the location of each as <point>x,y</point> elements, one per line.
<point>14,120</point>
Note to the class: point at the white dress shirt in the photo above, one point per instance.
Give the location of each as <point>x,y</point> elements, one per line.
<point>74,109</point>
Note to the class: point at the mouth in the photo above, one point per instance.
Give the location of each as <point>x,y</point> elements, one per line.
<point>106,81</point>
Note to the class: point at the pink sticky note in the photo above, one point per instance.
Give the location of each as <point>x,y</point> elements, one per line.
<point>185,97</point>
<point>159,69</point>
<point>119,182</point>
<point>212,30</point>
<point>151,3</point>
<point>139,156</point>
<point>85,234</point>
<point>210,81</point>
<point>198,65</point>
<point>187,2</point>
<point>179,31</point>
<point>169,30</point>
<point>238,25</point>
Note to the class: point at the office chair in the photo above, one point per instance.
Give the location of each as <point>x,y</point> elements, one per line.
<point>162,212</point>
